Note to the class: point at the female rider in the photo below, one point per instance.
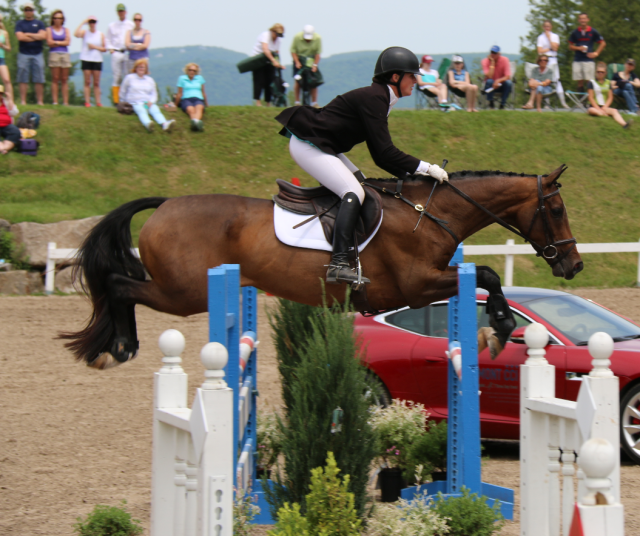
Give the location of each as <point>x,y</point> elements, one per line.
<point>319,137</point>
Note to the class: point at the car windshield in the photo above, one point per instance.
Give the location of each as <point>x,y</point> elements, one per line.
<point>578,318</point>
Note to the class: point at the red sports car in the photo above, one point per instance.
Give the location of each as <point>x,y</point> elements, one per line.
<point>405,352</point>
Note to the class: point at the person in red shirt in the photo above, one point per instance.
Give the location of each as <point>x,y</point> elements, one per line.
<point>497,76</point>
<point>9,133</point>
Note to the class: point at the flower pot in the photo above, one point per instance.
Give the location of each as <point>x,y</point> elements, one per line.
<point>261,471</point>
<point>391,483</point>
<point>438,475</point>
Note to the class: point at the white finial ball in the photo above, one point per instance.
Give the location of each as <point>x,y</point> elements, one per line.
<point>597,458</point>
<point>214,356</point>
<point>536,336</point>
<point>171,343</point>
<point>600,345</point>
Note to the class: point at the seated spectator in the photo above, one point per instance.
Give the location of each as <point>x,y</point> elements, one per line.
<point>624,84</point>
<point>460,83</point>
<point>497,76</point>
<point>540,82</point>
<point>139,90</point>
<point>9,133</point>
<point>191,96</point>
<point>601,97</point>
<point>429,81</point>
<point>548,43</point>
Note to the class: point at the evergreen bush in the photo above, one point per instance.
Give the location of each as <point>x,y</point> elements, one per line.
<point>12,253</point>
<point>321,374</point>
<point>469,515</point>
<point>108,521</point>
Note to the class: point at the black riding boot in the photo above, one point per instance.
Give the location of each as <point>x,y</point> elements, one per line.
<point>343,239</point>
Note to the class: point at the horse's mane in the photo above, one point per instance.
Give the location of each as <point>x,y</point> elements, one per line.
<point>465,174</point>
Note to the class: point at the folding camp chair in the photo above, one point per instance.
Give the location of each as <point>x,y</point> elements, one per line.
<point>546,99</point>
<point>425,100</point>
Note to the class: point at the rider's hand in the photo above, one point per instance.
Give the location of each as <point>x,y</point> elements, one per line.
<point>438,173</point>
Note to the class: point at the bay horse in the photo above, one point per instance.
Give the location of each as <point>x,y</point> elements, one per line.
<point>187,235</point>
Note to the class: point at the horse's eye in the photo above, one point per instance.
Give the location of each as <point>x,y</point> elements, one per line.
<point>557,212</point>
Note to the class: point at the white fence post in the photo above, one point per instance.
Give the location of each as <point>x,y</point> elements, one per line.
<point>50,270</point>
<point>508,265</point>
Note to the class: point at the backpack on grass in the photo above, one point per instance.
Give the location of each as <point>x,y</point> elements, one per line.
<point>28,147</point>
<point>28,120</point>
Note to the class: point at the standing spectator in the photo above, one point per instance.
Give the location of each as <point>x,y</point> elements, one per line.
<point>429,80</point>
<point>31,33</point>
<point>5,46</point>
<point>268,43</point>
<point>191,96</point>
<point>9,133</point>
<point>601,96</point>
<point>91,58</point>
<point>117,47</point>
<point>307,47</point>
<point>58,39</point>
<point>460,83</point>
<point>624,83</point>
<point>137,41</point>
<point>582,41</point>
<point>540,82</point>
<point>497,76</point>
<point>139,90</point>
<point>548,43</point>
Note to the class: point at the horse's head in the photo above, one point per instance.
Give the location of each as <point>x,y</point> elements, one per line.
<point>545,222</point>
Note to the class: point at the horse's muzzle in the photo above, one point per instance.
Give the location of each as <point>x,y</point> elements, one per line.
<point>560,270</point>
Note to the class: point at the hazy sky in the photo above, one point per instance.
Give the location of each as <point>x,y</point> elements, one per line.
<point>427,26</point>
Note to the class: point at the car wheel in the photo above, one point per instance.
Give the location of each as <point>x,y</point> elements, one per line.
<point>376,391</point>
<point>630,423</point>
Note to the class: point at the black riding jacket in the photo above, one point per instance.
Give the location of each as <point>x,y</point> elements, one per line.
<point>357,116</point>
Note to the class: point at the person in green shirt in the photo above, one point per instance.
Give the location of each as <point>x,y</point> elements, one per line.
<point>308,45</point>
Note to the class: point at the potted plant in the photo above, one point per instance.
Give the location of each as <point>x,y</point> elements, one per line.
<point>428,454</point>
<point>398,427</point>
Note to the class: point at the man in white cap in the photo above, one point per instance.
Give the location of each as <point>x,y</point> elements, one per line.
<point>115,43</point>
<point>30,33</point>
<point>306,46</point>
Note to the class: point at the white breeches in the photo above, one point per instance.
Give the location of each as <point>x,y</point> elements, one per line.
<point>119,67</point>
<point>328,170</point>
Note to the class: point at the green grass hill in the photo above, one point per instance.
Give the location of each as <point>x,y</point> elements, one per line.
<point>93,160</point>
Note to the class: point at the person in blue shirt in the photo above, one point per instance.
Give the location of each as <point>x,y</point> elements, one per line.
<point>191,96</point>
<point>30,34</point>
<point>582,41</point>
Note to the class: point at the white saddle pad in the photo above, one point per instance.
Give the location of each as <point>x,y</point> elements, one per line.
<point>310,235</point>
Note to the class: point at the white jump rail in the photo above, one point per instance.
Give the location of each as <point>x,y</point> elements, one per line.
<point>192,464</point>
<point>511,248</point>
<point>55,255</point>
<point>555,433</point>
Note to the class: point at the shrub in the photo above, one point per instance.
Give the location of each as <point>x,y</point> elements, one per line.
<point>243,513</point>
<point>108,521</point>
<point>470,515</point>
<point>429,450</point>
<point>290,522</point>
<point>407,518</point>
<point>10,252</point>
<point>269,439</point>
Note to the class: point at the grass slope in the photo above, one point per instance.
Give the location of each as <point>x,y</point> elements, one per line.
<point>91,161</point>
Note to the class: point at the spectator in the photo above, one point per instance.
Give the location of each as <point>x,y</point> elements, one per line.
<point>9,133</point>
<point>460,83</point>
<point>268,43</point>
<point>429,81</point>
<point>540,82</point>
<point>601,97</point>
<point>137,41</point>
<point>58,39</point>
<point>548,43</point>
<point>582,41</point>
<point>624,84</point>
<point>307,47</point>
<point>191,96</point>
<point>31,33</point>
<point>139,90</point>
<point>117,47</point>
<point>497,76</point>
<point>5,46</point>
<point>91,58</point>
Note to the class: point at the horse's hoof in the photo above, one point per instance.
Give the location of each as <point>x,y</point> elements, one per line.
<point>484,335</point>
<point>122,350</point>
<point>495,346</point>
<point>103,361</point>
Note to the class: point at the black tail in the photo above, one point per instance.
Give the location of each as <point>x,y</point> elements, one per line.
<point>105,251</point>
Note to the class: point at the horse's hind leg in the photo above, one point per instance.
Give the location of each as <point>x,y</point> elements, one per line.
<point>500,316</point>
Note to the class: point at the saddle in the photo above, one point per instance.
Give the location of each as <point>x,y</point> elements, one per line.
<point>323,203</point>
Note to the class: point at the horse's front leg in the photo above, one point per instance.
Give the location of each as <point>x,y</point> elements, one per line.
<point>432,287</point>
<point>501,318</point>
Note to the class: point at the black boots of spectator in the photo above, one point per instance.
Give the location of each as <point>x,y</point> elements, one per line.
<point>343,239</point>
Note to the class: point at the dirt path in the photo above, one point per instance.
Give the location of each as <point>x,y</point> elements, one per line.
<point>72,437</point>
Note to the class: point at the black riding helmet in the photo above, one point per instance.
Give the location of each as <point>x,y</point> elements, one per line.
<point>396,60</point>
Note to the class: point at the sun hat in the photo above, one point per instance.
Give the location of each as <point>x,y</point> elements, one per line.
<point>457,58</point>
<point>26,5</point>
<point>307,32</point>
<point>631,61</point>
<point>278,28</point>
<point>120,7</point>
<point>426,58</point>
<point>495,48</point>
<point>91,17</point>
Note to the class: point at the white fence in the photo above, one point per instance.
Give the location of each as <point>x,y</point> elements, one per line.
<point>192,464</point>
<point>553,430</point>
<point>510,249</point>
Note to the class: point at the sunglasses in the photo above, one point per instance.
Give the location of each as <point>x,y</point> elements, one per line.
<point>543,61</point>
<point>137,20</point>
<point>192,70</point>
<point>457,62</point>
<point>28,9</point>
<point>92,21</point>
<point>601,72</point>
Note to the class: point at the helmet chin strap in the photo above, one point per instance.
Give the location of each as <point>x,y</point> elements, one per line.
<point>397,84</point>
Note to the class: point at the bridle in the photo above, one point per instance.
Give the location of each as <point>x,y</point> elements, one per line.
<point>549,251</point>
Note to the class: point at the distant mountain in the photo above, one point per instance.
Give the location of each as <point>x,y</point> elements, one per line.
<point>225,86</point>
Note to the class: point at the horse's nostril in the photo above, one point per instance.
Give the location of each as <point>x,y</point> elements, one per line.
<point>578,267</point>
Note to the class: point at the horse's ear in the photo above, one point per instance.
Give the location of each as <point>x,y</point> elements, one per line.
<point>554,175</point>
